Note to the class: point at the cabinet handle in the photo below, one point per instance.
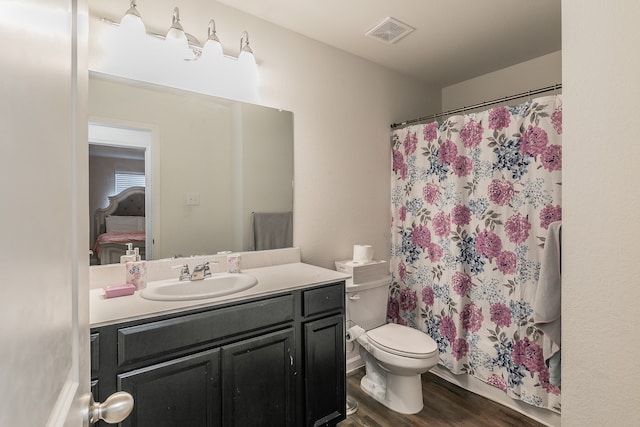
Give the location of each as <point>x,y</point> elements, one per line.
<point>115,409</point>
<point>291,359</point>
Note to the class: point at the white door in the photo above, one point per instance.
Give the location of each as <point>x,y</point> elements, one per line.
<point>44,351</point>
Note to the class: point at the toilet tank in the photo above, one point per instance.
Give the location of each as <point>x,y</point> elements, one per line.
<point>367,303</point>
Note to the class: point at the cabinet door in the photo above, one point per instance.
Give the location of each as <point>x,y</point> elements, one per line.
<point>258,381</point>
<point>180,392</point>
<point>324,370</point>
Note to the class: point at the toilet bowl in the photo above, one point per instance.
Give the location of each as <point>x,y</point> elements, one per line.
<point>394,355</point>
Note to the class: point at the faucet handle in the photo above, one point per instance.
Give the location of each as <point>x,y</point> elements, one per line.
<point>204,268</point>
<point>184,271</point>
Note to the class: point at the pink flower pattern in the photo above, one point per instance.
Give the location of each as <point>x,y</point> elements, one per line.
<point>498,382</point>
<point>435,252</point>
<point>499,118</point>
<point>517,228</point>
<point>488,244</point>
<point>430,132</point>
<point>403,213</point>
<point>441,224</point>
<point>459,348</point>
<point>550,214</point>
<point>551,158</point>
<point>507,262</point>
<point>500,315</point>
<point>534,140</point>
<point>471,317</point>
<point>447,152</point>
<point>472,198</point>
<point>461,215</point>
<point>448,328</point>
<point>421,236</point>
<point>471,134</point>
<point>410,144</point>
<point>500,191</point>
<point>462,165</point>
<point>427,295</point>
<point>431,193</point>
<point>461,283</point>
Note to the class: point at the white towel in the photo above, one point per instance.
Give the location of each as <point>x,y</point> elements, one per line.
<point>547,304</point>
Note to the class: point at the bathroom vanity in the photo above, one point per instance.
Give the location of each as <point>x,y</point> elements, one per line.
<point>271,356</point>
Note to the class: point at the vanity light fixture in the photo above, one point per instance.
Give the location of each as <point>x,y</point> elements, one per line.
<point>176,35</point>
<point>132,21</point>
<point>177,59</point>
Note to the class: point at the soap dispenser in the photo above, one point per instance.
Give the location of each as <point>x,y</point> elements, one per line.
<point>136,271</point>
<point>130,255</point>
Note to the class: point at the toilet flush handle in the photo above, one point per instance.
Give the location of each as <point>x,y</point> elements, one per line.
<point>354,297</point>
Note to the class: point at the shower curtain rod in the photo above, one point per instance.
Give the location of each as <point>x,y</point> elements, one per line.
<point>480,105</point>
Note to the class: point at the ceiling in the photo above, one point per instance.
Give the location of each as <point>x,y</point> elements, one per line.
<point>454,40</point>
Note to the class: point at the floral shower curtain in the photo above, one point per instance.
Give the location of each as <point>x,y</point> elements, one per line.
<point>472,198</point>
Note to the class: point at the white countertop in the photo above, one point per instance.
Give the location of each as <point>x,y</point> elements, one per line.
<point>277,278</point>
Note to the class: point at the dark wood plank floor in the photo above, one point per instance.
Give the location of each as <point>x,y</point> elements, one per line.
<point>445,404</point>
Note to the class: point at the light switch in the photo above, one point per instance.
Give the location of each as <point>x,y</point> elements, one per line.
<point>193,199</point>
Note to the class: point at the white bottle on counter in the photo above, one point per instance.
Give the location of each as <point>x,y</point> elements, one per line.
<point>130,255</point>
<point>136,271</point>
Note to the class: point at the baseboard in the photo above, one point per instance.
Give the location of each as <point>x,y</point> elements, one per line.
<point>474,385</point>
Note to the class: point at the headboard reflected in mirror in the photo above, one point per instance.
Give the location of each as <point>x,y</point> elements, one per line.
<point>119,223</point>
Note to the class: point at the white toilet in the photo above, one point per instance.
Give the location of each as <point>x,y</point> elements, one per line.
<point>394,355</point>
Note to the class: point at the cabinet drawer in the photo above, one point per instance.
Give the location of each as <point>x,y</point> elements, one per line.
<point>168,336</point>
<point>323,299</point>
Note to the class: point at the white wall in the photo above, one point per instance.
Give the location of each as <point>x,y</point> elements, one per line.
<point>536,73</point>
<point>343,106</point>
<point>601,201</point>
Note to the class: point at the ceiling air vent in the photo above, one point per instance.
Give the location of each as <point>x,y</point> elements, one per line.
<point>390,30</point>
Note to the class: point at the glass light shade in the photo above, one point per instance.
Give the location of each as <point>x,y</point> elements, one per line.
<point>132,25</point>
<point>176,37</point>
<point>212,51</point>
<point>246,59</point>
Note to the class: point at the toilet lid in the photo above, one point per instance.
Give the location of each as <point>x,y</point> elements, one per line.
<point>403,341</point>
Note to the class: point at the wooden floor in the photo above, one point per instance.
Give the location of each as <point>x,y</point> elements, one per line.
<point>445,404</point>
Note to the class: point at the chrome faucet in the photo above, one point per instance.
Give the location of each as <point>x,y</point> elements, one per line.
<point>184,272</point>
<point>201,272</point>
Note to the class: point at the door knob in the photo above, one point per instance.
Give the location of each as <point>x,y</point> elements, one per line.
<point>113,410</point>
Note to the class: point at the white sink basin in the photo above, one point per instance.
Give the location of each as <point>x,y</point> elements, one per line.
<point>211,287</point>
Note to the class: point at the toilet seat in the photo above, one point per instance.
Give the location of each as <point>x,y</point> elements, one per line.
<point>403,341</point>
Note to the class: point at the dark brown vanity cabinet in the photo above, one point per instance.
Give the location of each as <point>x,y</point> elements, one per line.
<point>270,361</point>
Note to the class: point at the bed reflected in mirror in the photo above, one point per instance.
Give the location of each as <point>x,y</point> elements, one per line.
<point>120,223</point>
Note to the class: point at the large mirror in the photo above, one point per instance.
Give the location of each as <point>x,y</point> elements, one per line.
<point>217,174</point>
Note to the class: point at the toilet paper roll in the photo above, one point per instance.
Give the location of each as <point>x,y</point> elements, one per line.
<point>353,333</point>
<point>362,253</point>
